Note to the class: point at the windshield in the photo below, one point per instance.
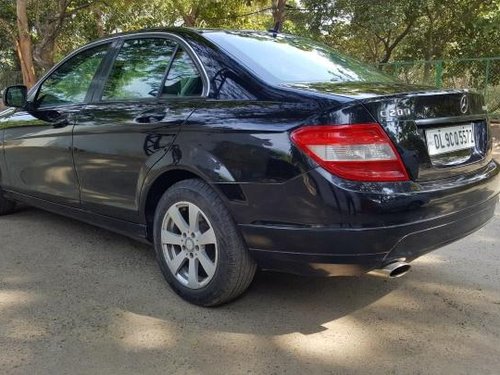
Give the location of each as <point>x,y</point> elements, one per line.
<point>286,58</point>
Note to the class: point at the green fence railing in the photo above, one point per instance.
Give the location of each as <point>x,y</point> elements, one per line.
<point>480,74</point>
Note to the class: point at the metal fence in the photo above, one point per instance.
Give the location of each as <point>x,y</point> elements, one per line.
<point>480,74</point>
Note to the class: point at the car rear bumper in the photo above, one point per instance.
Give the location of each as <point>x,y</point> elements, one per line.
<point>443,215</point>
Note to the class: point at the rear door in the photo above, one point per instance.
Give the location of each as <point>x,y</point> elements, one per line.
<point>147,93</point>
<point>38,142</point>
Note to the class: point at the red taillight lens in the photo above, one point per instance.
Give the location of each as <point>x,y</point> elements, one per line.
<point>360,152</point>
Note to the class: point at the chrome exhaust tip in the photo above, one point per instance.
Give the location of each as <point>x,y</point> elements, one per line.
<point>392,270</point>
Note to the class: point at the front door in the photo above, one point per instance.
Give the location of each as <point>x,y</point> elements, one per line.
<point>133,120</point>
<point>38,142</point>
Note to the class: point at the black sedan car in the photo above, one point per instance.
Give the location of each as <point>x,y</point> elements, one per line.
<point>232,150</point>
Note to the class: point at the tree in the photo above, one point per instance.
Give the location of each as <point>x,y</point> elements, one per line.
<point>15,27</point>
<point>373,29</point>
<point>38,28</point>
<point>24,46</point>
<point>48,22</point>
<point>454,28</point>
<point>386,23</point>
<point>279,8</point>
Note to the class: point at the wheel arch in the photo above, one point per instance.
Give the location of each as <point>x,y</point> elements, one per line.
<point>154,190</point>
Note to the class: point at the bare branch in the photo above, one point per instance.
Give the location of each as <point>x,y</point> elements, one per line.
<point>405,32</point>
<point>389,47</point>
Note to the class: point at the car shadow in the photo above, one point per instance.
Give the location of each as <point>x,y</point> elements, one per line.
<point>275,303</point>
<point>278,303</point>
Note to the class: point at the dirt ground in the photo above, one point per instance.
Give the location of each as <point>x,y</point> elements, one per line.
<point>75,299</point>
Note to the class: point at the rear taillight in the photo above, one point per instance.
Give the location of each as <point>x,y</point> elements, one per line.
<point>360,152</point>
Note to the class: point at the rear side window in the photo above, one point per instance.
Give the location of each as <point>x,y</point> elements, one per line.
<point>183,78</point>
<point>70,83</point>
<point>287,59</point>
<point>139,68</point>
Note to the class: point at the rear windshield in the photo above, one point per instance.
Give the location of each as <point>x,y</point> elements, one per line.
<point>287,59</point>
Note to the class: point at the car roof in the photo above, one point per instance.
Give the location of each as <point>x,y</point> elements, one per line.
<point>186,31</point>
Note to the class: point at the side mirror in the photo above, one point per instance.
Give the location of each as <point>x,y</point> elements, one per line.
<point>15,96</point>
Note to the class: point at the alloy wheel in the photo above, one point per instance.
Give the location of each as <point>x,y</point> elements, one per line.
<point>189,245</point>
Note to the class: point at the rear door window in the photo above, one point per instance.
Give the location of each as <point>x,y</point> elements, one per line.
<point>183,78</point>
<point>139,68</point>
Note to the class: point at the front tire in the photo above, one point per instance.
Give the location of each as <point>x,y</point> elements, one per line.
<point>198,247</point>
<point>6,206</point>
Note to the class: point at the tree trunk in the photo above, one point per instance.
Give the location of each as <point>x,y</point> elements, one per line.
<point>429,47</point>
<point>24,46</point>
<point>99,21</point>
<point>43,51</point>
<point>278,13</point>
<point>190,17</point>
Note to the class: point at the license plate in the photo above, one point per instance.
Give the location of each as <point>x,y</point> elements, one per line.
<point>449,139</point>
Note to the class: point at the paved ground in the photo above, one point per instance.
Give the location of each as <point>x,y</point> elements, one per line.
<point>75,299</point>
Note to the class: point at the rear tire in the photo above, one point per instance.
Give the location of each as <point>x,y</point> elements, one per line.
<point>198,246</point>
<point>6,206</point>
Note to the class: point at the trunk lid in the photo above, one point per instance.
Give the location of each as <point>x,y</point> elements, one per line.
<point>438,133</point>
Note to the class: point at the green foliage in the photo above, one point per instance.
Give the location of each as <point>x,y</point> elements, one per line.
<point>111,16</point>
<point>371,30</point>
<point>374,31</point>
<point>7,24</point>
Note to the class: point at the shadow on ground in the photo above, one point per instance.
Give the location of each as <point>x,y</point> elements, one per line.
<point>78,299</point>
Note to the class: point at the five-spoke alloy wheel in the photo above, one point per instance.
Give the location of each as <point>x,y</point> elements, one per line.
<point>189,245</point>
<point>198,246</point>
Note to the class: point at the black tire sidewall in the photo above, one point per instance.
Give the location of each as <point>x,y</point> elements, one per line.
<point>229,241</point>
<point>6,206</point>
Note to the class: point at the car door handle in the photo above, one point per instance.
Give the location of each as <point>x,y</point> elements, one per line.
<point>150,118</point>
<point>61,123</point>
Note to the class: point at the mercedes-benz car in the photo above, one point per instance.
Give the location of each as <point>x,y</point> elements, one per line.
<point>236,150</point>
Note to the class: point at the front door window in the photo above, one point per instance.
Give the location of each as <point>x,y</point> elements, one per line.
<point>70,83</point>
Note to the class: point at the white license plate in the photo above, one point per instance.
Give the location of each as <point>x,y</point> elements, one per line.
<point>449,139</point>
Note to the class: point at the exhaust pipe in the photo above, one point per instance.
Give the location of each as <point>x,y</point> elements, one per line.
<point>392,270</point>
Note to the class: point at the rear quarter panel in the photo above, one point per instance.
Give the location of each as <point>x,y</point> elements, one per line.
<point>237,142</point>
